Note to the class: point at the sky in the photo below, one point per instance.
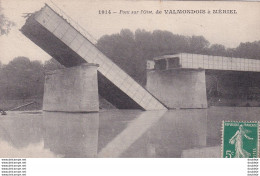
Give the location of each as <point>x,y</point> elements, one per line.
<point>226,29</point>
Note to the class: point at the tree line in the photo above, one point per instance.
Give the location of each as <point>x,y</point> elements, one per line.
<point>22,78</point>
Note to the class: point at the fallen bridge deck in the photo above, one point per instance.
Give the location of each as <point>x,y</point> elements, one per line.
<point>60,39</point>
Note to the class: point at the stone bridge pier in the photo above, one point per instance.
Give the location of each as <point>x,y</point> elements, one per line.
<point>178,88</point>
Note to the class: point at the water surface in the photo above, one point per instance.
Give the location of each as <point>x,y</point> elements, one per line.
<point>118,133</point>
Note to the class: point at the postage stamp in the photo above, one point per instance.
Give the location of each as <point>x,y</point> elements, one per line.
<point>240,139</point>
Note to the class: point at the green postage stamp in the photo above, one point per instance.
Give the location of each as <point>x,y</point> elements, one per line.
<point>240,139</point>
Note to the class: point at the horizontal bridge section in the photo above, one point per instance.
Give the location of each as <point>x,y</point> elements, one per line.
<point>197,61</point>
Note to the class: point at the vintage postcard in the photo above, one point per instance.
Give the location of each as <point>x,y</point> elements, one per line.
<point>129,79</point>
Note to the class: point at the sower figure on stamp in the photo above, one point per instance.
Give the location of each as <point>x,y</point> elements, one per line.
<point>237,139</point>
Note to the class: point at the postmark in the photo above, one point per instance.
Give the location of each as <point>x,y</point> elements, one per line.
<point>240,139</point>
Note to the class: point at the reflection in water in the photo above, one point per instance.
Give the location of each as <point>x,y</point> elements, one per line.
<point>70,134</point>
<point>118,133</point>
<point>32,150</point>
<point>22,136</point>
<point>202,152</point>
<point>112,123</point>
<point>20,131</point>
<point>131,133</point>
<point>174,132</point>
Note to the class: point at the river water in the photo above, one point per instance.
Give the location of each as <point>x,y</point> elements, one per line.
<point>118,133</point>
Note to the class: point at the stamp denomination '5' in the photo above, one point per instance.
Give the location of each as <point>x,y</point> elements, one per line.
<point>240,139</point>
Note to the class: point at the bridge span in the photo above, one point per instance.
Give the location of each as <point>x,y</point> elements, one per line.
<point>207,62</point>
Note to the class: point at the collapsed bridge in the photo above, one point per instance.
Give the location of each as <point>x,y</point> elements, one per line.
<point>69,46</point>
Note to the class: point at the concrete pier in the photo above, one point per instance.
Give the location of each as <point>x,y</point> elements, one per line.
<point>178,88</point>
<point>73,89</point>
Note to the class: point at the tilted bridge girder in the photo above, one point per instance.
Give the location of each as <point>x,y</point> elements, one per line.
<point>64,42</point>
